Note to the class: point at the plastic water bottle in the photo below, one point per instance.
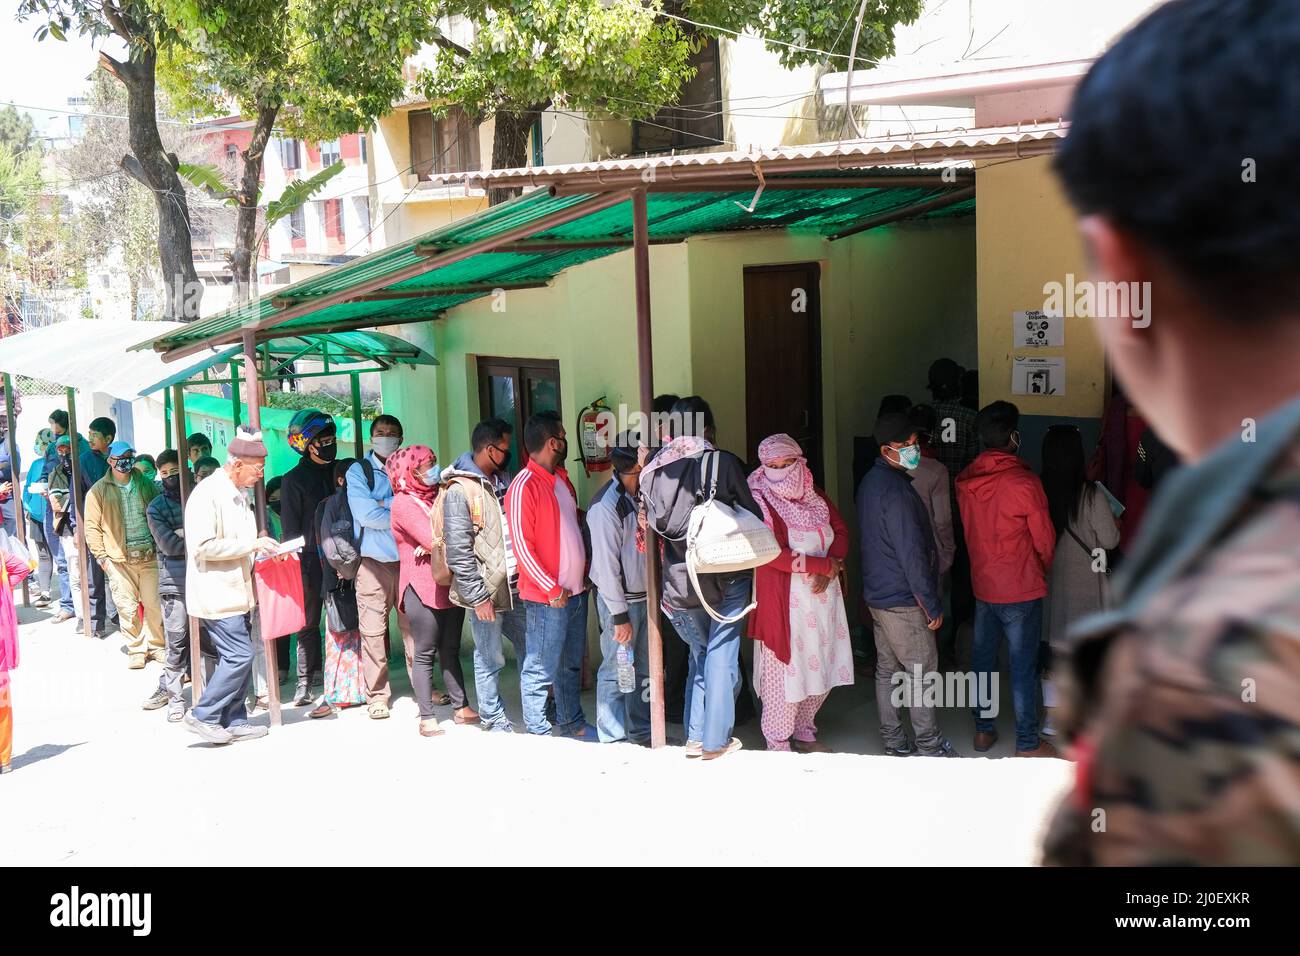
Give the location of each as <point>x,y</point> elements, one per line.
<point>626,674</point>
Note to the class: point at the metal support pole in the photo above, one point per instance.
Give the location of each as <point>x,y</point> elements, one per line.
<point>79,498</point>
<point>167,419</point>
<point>358,446</point>
<point>234,395</point>
<point>15,477</point>
<point>187,485</point>
<point>645,364</point>
<point>255,423</point>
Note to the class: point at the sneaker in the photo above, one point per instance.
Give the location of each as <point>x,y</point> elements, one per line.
<point>732,746</point>
<point>157,700</point>
<point>43,600</point>
<point>135,662</point>
<point>694,748</point>
<point>904,750</point>
<point>500,727</point>
<point>944,750</point>
<point>302,696</point>
<point>247,732</point>
<point>212,733</point>
<point>176,711</point>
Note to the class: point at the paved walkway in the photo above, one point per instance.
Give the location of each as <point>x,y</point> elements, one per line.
<point>98,781</point>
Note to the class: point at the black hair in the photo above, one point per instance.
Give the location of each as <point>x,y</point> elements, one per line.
<point>663,404</point>
<point>623,453</point>
<point>385,420</point>
<point>924,419</point>
<point>60,418</point>
<point>686,411</point>
<point>168,456</point>
<point>105,426</point>
<point>199,440</point>
<point>142,456</point>
<point>488,432</point>
<point>944,379</point>
<point>995,423</point>
<point>894,403</point>
<point>891,427</point>
<point>1064,473</point>
<point>541,428</point>
<point>207,461</point>
<point>341,468</point>
<point>1185,135</point>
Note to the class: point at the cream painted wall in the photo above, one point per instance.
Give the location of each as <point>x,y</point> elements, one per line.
<point>892,300</point>
<point>1026,238</point>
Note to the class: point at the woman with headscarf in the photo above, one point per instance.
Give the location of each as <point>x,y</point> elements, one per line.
<point>435,621</point>
<point>800,622</point>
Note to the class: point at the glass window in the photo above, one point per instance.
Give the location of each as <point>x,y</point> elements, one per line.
<point>330,153</point>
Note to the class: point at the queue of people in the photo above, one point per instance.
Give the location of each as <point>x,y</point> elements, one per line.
<point>515,554</point>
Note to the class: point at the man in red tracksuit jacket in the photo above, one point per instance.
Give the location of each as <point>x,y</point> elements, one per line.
<point>542,516</point>
<point>1011,539</point>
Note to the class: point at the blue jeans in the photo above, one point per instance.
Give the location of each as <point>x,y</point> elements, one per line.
<point>556,639</point>
<point>60,563</point>
<point>713,672</point>
<point>1022,623</point>
<point>490,658</point>
<point>223,697</point>
<point>621,716</point>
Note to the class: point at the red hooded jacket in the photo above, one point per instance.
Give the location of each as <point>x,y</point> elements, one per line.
<point>1009,531</point>
<point>533,516</point>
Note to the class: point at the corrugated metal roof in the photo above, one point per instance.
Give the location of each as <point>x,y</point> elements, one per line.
<point>911,150</point>
<point>380,277</point>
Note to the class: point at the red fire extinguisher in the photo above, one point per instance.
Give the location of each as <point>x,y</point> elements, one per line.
<point>593,448</point>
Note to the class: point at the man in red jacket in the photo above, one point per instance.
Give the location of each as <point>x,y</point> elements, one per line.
<point>1010,536</point>
<point>542,515</point>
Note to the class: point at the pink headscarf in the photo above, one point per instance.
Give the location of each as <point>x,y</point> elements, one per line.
<point>794,497</point>
<point>405,468</point>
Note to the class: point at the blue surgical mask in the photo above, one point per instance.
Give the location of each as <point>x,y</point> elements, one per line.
<point>432,476</point>
<point>909,456</point>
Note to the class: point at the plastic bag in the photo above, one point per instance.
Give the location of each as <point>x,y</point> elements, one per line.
<point>13,545</point>
<point>277,584</point>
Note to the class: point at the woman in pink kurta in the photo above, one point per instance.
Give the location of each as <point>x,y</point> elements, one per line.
<point>436,622</point>
<point>12,572</point>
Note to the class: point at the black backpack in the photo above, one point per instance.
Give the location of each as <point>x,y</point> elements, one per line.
<point>340,547</point>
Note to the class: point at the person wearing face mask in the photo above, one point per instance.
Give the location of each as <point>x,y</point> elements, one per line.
<point>221,542</point>
<point>1011,539</point>
<point>119,539</point>
<point>800,623</point>
<point>58,516</point>
<point>370,499</point>
<point>484,576</point>
<point>542,512</point>
<point>618,572</point>
<point>167,524</point>
<point>34,505</point>
<point>900,585</point>
<point>312,434</point>
<point>436,623</point>
<point>147,466</point>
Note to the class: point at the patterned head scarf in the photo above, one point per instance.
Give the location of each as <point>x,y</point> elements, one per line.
<point>43,439</point>
<point>405,468</point>
<point>791,493</point>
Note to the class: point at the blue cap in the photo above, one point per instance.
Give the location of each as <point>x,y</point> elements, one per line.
<point>118,449</point>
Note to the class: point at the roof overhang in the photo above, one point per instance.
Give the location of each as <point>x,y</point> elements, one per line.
<point>957,89</point>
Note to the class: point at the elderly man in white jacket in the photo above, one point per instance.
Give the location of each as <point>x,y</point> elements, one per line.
<point>221,541</point>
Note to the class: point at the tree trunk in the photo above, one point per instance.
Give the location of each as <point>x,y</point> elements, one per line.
<point>133,296</point>
<point>150,164</point>
<point>245,254</point>
<point>510,146</point>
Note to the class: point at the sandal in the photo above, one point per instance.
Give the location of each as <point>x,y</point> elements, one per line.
<point>378,710</point>
<point>323,709</point>
<point>466,715</point>
<point>430,728</point>
<point>809,747</point>
<point>441,699</point>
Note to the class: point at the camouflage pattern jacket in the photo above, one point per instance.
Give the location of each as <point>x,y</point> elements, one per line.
<point>1183,701</point>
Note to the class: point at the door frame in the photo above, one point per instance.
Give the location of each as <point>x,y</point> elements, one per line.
<point>816,423</point>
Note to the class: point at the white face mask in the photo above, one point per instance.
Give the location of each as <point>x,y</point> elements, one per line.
<point>777,474</point>
<point>384,445</point>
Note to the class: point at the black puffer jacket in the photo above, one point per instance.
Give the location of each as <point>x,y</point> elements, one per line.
<point>167,524</point>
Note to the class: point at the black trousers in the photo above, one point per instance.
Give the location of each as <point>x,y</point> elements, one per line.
<point>310,646</point>
<point>435,632</point>
<point>676,664</point>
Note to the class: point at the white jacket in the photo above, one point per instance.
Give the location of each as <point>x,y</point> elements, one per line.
<point>220,536</point>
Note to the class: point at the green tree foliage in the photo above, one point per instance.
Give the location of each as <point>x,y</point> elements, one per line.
<point>16,129</point>
<point>39,250</point>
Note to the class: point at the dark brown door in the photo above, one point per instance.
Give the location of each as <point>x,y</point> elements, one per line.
<point>513,389</point>
<point>783,371</point>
